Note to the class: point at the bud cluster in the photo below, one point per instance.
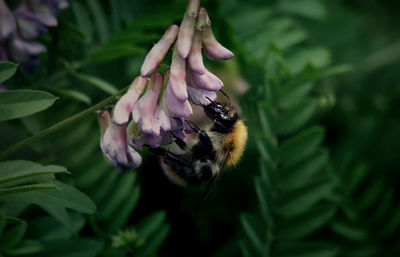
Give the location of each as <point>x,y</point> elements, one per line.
<point>160,104</point>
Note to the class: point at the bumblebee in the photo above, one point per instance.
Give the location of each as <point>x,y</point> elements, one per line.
<point>203,158</point>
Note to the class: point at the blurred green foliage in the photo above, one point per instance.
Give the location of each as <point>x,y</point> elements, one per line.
<point>320,173</point>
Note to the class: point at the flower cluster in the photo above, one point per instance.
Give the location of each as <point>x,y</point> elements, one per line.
<point>160,104</point>
<point>18,29</point>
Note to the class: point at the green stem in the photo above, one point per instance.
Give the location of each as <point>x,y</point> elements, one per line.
<point>60,124</point>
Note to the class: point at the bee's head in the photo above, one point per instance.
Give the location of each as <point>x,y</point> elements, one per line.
<point>223,115</point>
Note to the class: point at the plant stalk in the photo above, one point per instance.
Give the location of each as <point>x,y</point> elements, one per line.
<point>61,124</point>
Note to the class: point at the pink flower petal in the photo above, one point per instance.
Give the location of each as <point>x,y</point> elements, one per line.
<point>175,106</point>
<point>186,32</point>
<point>177,77</point>
<point>195,58</point>
<point>201,96</point>
<point>159,50</point>
<point>104,118</point>
<point>213,49</point>
<point>124,106</point>
<point>207,81</point>
<point>116,150</point>
<point>144,111</point>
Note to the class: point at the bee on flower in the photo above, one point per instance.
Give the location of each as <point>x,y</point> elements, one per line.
<point>155,109</point>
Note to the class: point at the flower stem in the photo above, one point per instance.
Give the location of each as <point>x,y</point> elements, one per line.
<point>61,124</point>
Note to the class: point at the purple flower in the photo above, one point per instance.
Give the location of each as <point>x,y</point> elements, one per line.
<point>186,32</point>
<point>46,11</point>
<point>24,51</point>
<point>3,54</point>
<point>124,106</point>
<point>195,58</point>
<point>115,146</point>
<point>158,52</point>
<point>29,24</point>
<point>207,81</point>
<point>30,20</point>
<point>3,88</point>
<point>200,96</point>
<point>213,49</point>
<point>177,77</point>
<point>7,22</point>
<point>176,107</point>
<point>147,113</point>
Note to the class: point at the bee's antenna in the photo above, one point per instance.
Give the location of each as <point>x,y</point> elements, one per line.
<point>209,99</point>
<point>227,97</point>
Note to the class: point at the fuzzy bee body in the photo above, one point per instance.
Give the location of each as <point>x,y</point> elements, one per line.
<point>203,158</point>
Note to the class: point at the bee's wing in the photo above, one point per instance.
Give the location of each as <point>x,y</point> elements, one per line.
<point>213,180</point>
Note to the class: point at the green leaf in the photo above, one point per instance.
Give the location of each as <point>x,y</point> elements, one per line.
<point>26,247</point>
<point>124,211</point>
<point>25,189</point>
<point>318,57</point>
<point>48,228</point>
<point>298,201</point>
<point>263,196</point>
<point>19,169</point>
<point>306,249</point>
<point>155,241</point>
<point>7,70</point>
<point>391,224</point>
<point>292,95</point>
<point>101,22</point>
<point>114,51</point>
<point>65,196</point>
<point>350,231</point>
<point>60,214</point>
<point>251,229</point>
<point>83,20</point>
<point>13,236</point>
<point>301,145</point>
<point>335,70</point>
<point>370,196</point>
<point>77,247</point>
<point>312,9</point>
<point>150,225</point>
<point>121,190</point>
<point>304,224</point>
<point>295,118</point>
<point>74,94</point>
<point>300,173</point>
<point>97,82</point>
<point>19,103</point>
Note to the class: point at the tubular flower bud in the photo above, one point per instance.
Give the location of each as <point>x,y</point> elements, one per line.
<point>104,118</point>
<point>203,20</point>
<point>213,49</point>
<point>186,32</point>
<point>207,81</point>
<point>29,25</point>
<point>195,58</point>
<point>24,51</point>
<point>177,77</point>
<point>124,106</point>
<point>6,20</point>
<point>159,50</point>
<point>192,8</point>
<point>146,112</point>
<point>176,107</point>
<point>116,150</point>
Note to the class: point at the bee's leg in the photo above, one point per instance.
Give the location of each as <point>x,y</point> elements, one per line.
<point>193,126</point>
<point>179,142</point>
